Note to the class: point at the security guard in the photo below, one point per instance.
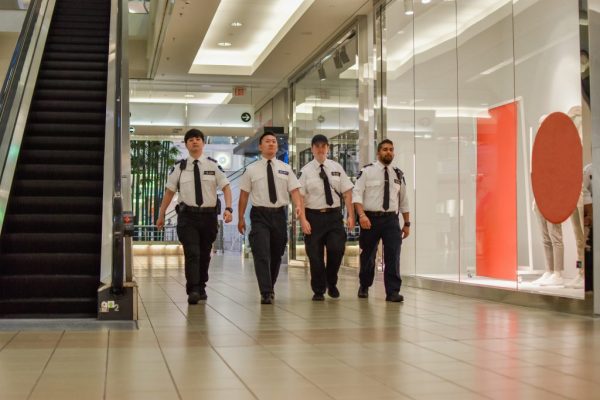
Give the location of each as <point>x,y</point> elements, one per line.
<point>379,195</point>
<point>267,183</point>
<point>324,182</point>
<point>197,179</point>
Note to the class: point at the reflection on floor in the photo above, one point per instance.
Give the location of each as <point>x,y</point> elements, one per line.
<point>434,346</point>
<point>500,283</point>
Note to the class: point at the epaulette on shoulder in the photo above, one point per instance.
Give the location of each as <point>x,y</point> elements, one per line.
<point>216,162</point>
<point>367,165</point>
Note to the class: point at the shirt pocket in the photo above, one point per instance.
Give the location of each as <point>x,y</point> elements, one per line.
<point>314,184</point>
<point>373,183</point>
<point>186,181</point>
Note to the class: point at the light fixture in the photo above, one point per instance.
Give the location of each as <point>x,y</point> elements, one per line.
<point>224,44</point>
<point>343,55</point>
<point>189,96</point>
<point>408,7</point>
<point>237,24</point>
<point>337,61</point>
<point>425,1</point>
<point>321,72</point>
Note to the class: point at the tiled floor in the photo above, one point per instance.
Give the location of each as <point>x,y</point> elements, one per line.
<point>434,346</point>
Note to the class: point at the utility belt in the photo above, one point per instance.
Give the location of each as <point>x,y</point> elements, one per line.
<point>184,208</point>
<point>323,210</point>
<point>269,209</point>
<point>380,213</point>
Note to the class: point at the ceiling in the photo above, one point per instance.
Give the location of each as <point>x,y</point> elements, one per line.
<point>160,59</point>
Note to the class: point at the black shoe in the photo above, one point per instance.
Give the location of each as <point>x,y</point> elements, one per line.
<point>363,292</point>
<point>333,292</point>
<point>193,298</point>
<point>266,298</point>
<point>203,295</point>
<point>318,297</point>
<point>395,298</point>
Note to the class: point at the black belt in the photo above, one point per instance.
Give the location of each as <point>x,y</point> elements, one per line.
<point>269,209</point>
<point>323,210</point>
<point>380,213</point>
<point>199,210</point>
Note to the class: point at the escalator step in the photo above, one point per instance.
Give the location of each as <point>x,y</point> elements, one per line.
<point>34,187</point>
<point>74,65</point>
<point>76,307</point>
<point>67,84</point>
<point>49,286</point>
<point>55,204</point>
<point>54,243</point>
<point>63,143</point>
<point>59,172</point>
<point>88,75</point>
<point>50,263</point>
<point>69,105</point>
<point>78,25</point>
<point>94,18</point>
<point>81,32</point>
<point>74,130</point>
<point>68,48</point>
<point>73,157</point>
<point>67,117</point>
<point>71,95</point>
<point>52,223</point>
<point>80,56</point>
<point>85,40</point>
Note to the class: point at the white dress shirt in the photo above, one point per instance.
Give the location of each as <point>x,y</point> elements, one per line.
<point>254,181</point>
<point>369,188</point>
<point>312,184</point>
<point>211,177</point>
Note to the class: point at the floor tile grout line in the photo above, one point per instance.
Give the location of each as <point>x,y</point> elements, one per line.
<point>37,381</point>
<point>162,353</point>
<point>106,365</point>
<point>10,340</point>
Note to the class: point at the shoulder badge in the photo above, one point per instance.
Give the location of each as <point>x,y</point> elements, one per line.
<point>399,174</point>
<point>216,162</point>
<point>362,169</point>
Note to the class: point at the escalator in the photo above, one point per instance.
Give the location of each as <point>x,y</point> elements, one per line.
<point>51,238</point>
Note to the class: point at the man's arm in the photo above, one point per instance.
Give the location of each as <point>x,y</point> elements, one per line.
<point>167,198</point>
<point>405,229</point>
<point>227,217</point>
<point>242,210</point>
<point>350,208</point>
<point>299,205</point>
<point>363,220</point>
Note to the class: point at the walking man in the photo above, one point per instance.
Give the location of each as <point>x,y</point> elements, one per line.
<point>379,195</point>
<point>197,179</point>
<point>267,183</point>
<point>324,182</point>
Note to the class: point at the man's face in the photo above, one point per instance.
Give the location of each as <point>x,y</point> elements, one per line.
<point>386,153</point>
<point>320,150</point>
<point>195,144</point>
<point>268,146</point>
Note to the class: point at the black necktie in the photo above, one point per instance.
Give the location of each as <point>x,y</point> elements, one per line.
<point>271,181</point>
<point>386,190</point>
<point>197,184</point>
<point>328,197</point>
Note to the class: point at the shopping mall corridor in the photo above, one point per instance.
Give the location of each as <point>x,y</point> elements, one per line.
<point>434,346</point>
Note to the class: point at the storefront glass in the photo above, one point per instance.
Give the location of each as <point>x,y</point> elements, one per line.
<point>469,91</point>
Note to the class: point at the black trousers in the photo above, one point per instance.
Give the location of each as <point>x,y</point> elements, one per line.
<point>387,229</point>
<point>327,232</point>
<point>268,238</point>
<point>589,262</point>
<point>197,232</point>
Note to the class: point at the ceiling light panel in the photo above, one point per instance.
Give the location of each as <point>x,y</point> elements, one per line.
<point>252,42</point>
<point>143,96</point>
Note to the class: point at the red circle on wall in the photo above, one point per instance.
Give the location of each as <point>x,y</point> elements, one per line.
<point>556,167</point>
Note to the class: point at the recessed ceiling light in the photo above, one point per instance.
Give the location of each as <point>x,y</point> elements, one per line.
<point>236,24</point>
<point>189,96</point>
<point>224,44</point>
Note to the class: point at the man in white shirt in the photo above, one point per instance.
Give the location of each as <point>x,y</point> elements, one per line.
<point>324,182</point>
<point>379,195</point>
<point>267,183</point>
<point>197,179</point>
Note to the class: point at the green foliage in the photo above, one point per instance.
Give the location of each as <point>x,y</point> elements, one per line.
<point>150,164</point>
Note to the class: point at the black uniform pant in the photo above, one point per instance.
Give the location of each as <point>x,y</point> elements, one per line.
<point>589,262</point>
<point>268,238</point>
<point>197,232</point>
<point>387,229</point>
<point>327,232</point>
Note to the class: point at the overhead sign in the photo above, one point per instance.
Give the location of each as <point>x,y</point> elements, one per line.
<point>131,130</point>
<point>246,117</point>
<point>239,91</point>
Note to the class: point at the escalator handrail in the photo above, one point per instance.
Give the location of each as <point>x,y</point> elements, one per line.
<point>17,63</point>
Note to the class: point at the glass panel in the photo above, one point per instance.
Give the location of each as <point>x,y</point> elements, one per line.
<point>436,145</point>
<point>326,102</point>
<point>399,107</point>
<point>13,14</point>
<point>547,79</point>
<point>487,143</point>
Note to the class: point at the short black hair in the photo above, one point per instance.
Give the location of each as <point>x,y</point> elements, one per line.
<point>319,139</point>
<point>384,141</point>
<point>193,133</point>
<point>266,134</point>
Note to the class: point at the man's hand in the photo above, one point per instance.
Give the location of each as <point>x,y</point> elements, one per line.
<point>242,226</point>
<point>306,228</point>
<point>161,221</point>
<point>364,221</point>
<point>405,232</point>
<point>350,222</point>
<point>227,217</point>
